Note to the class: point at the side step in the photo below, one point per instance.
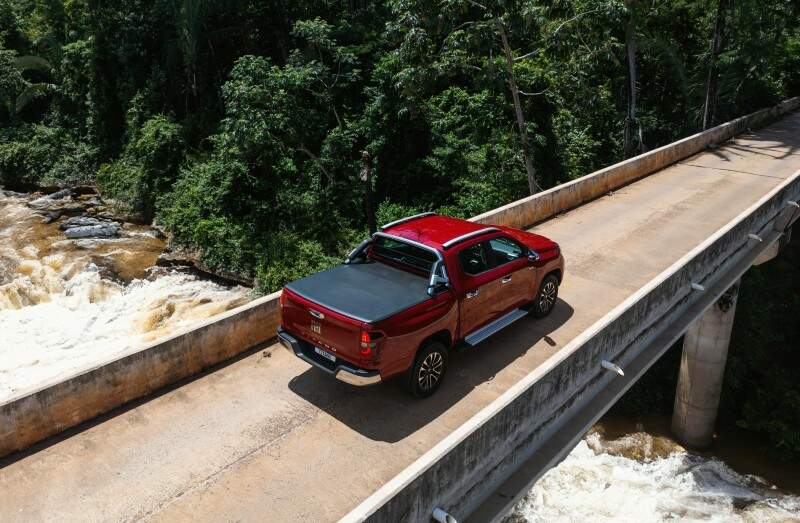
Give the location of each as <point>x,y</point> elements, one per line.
<point>497,325</point>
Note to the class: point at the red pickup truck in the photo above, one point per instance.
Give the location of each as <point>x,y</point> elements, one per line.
<point>418,288</point>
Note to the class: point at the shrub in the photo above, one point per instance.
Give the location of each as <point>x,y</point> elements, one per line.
<point>147,168</point>
<point>37,154</point>
<point>288,257</point>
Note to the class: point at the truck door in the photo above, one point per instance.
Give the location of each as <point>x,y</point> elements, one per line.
<point>518,277</point>
<point>481,297</point>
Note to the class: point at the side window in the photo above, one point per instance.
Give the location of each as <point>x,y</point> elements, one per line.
<point>473,259</point>
<point>504,250</point>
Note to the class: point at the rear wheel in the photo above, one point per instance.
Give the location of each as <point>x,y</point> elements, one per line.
<point>546,298</point>
<point>428,370</point>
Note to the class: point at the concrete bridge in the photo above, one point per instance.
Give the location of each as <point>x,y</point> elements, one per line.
<point>264,437</point>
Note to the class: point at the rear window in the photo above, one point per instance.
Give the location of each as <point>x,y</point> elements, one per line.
<point>404,253</point>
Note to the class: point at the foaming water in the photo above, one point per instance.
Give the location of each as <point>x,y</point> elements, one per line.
<point>69,304</point>
<point>643,478</point>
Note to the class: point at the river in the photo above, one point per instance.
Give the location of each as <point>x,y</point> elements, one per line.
<point>633,471</point>
<point>69,304</point>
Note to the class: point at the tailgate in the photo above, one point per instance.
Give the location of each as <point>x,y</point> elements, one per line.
<point>322,327</point>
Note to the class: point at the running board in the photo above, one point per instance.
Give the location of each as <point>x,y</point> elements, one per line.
<point>497,325</point>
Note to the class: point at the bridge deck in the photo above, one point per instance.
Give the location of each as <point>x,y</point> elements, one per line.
<point>268,438</point>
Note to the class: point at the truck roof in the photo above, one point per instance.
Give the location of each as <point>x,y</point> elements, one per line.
<point>433,230</point>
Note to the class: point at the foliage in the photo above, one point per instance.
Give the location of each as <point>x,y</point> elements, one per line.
<point>763,368</point>
<point>146,169</point>
<point>46,155</point>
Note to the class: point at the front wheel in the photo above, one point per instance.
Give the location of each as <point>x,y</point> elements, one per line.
<point>428,370</point>
<point>546,299</point>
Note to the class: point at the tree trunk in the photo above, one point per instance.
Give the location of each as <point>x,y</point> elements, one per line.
<point>632,138</point>
<point>533,185</point>
<point>717,46</point>
<point>366,178</point>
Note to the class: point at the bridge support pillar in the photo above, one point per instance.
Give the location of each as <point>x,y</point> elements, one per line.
<point>705,350</point>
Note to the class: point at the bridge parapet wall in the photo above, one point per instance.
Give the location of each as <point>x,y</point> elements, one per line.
<point>546,204</point>
<point>463,469</point>
<point>35,414</point>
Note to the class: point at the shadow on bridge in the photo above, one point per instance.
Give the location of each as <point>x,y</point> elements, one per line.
<point>777,142</point>
<point>387,412</point>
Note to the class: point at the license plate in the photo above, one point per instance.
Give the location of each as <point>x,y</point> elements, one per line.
<point>325,354</point>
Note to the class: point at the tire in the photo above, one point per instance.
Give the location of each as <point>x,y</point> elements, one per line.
<point>427,373</point>
<point>545,300</point>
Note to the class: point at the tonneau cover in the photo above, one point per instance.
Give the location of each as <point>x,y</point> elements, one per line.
<point>368,292</point>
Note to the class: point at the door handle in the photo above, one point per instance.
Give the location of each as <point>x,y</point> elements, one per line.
<point>506,279</point>
<point>472,294</point>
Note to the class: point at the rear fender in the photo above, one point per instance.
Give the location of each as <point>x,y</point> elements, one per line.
<point>406,332</point>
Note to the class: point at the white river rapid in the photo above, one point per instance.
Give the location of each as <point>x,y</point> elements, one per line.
<point>69,304</point>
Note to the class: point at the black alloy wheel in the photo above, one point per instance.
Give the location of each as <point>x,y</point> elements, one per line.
<point>545,301</point>
<point>428,370</point>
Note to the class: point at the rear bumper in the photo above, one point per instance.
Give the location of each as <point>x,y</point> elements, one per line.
<point>341,371</point>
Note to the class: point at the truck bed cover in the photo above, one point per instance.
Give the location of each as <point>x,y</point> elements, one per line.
<point>367,292</point>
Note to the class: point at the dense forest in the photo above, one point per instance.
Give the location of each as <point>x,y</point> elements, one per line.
<point>270,136</point>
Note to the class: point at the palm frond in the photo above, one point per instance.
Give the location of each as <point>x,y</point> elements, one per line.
<point>32,63</point>
<point>32,92</point>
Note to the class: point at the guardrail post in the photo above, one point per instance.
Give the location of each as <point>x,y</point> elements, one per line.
<point>705,351</point>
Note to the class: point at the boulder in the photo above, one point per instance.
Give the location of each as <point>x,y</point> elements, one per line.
<point>103,230</point>
<point>63,193</point>
<point>50,199</point>
<point>79,221</point>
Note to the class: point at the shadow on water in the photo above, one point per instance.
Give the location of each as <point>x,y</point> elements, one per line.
<point>387,412</point>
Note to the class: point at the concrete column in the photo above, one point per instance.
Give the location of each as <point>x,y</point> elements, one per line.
<point>705,350</point>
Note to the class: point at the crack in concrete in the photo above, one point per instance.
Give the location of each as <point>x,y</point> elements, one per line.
<point>731,170</point>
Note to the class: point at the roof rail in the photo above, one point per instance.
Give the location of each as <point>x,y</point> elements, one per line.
<point>406,219</point>
<point>465,237</point>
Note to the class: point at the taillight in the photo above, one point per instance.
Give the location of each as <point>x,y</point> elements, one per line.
<point>366,344</point>
<point>282,299</point>
<point>369,340</point>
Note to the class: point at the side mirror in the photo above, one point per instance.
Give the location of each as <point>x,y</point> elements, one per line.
<point>533,256</point>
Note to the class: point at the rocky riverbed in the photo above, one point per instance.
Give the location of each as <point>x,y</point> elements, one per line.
<point>79,285</point>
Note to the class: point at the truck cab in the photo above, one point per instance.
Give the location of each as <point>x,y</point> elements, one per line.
<point>417,289</point>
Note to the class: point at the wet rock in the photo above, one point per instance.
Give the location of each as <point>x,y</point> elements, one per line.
<point>56,211</point>
<point>84,190</point>
<point>177,257</point>
<point>152,233</point>
<point>50,199</point>
<point>104,230</point>
<point>63,193</point>
<point>51,216</point>
<point>79,221</point>
<point>72,209</point>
